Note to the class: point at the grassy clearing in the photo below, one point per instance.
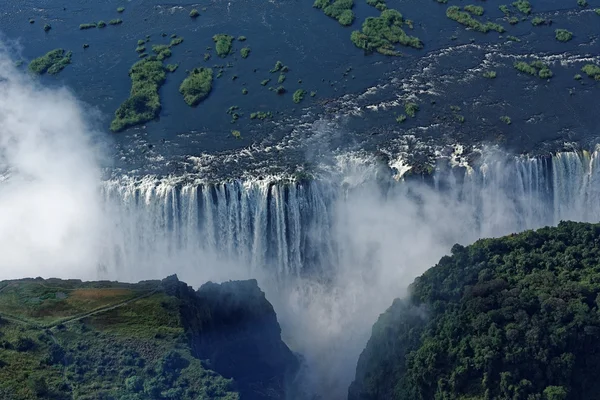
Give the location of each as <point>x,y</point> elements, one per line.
<point>197,86</point>
<point>382,33</point>
<point>341,10</point>
<point>51,63</point>
<point>143,104</point>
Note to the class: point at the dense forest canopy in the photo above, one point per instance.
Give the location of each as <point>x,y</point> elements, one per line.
<point>509,318</point>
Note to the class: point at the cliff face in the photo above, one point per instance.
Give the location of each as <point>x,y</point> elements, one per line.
<point>234,327</point>
<point>516,317</point>
<point>152,340</point>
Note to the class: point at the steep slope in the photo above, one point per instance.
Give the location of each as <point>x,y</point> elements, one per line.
<point>107,340</point>
<point>509,318</point>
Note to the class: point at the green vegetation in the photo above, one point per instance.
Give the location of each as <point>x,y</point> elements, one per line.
<point>577,77</point>
<point>563,35</point>
<point>194,13</point>
<point>176,41</point>
<point>597,10</point>
<point>513,20</point>
<point>582,3</point>
<point>244,91</point>
<point>504,8</point>
<point>241,38</point>
<point>143,104</point>
<point>85,45</point>
<point>535,68</point>
<point>279,89</point>
<point>382,33</point>
<point>513,38</point>
<point>101,24</point>
<point>141,42</point>
<point>411,109</point>
<point>281,79</point>
<point>47,27</point>
<point>88,26</point>
<point>223,44</point>
<point>206,56</point>
<point>515,317</point>
<point>313,94</point>
<point>523,6</point>
<point>261,115</point>
<point>265,82</point>
<point>459,118</point>
<point>278,67</point>
<point>464,18</point>
<point>401,118</point>
<point>245,52</point>
<point>489,74</point>
<point>162,51</point>
<point>197,86</point>
<point>298,95</point>
<point>592,70</point>
<point>140,49</point>
<point>378,4</point>
<point>120,9</point>
<point>338,9</point>
<point>538,21</point>
<point>52,62</point>
<point>506,119</point>
<point>172,67</point>
<point>115,21</point>
<point>236,134</point>
<point>475,10</point>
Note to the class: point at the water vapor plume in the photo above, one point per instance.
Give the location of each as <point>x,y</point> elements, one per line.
<point>50,213</point>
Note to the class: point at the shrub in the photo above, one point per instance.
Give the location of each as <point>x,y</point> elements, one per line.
<point>577,77</point>
<point>298,95</point>
<point>194,13</point>
<point>120,9</point>
<point>265,82</point>
<point>281,79</point>
<point>538,21</point>
<point>382,33</point>
<point>504,8</point>
<point>162,51</point>
<point>506,119</point>
<point>401,118</point>
<point>88,26</point>
<point>278,67</point>
<point>115,21</point>
<point>523,5</point>
<point>535,68</point>
<point>280,90</point>
<point>172,67</point>
<point>489,74</point>
<point>411,109</point>
<point>341,10</point>
<point>236,134</point>
<point>261,115</point>
<point>582,3</point>
<point>563,35</point>
<point>197,86</point>
<point>526,68</point>
<point>245,52</point>
<point>176,41</point>
<point>47,27</point>
<point>24,344</point>
<point>464,18</point>
<point>592,70</point>
<point>241,38</point>
<point>52,62</point>
<point>476,10</point>
<point>223,44</point>
<point>101,24</point>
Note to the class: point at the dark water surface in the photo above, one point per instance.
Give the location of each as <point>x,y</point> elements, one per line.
<point>358,96</point>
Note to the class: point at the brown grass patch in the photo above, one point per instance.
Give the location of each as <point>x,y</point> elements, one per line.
<point>96,294</point>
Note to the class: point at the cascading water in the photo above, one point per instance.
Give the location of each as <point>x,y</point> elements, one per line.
<point>332,254</point>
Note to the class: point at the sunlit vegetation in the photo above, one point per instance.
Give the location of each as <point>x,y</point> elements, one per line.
<point>120,9</point>
<point>489,74</point>
<point>245,52</point>
<point>475,10</point>
<point>176,41</point>
<point>513,38</point>
<point>597,10</point>
<point>513,20</point>
<point>535,68</point>
<point>241,38</point>
<point>265,82</point>
<point>51,63</point>
<point>244,91</point>
<point>261,115</point>
<point>197,86</point>
<point>206,56</point>
<point>279,89</point>
<point>172,67</point>
<point>101,24</point>
<point>88,26</point>
<point>85,45</point>
<point>47,27</point>
<point>162,51</point>
<point>459,118</point>
<point>523,6</point>
<point>281,79</point>
<point>592,70</point>
<point>577,77</point>
<point>536,21</point>
<point>341,10</point>
<point>143,104</point>
<point>140,49</point>
<point>504,8</point>
<point>313,94</point>
<point>378,4</point>
<point>411,109</point>
<point>382,33</point>
<point>194,13</point>
<point>401,118</point>
<point>298,95</point>
<point>141,42</point>
<point>506,119</point>
<point>464,18</point>
<point>563,35</point>
<point>115,21</point>
<point>582,3</point>
<point>236,134</point>
<point>223,44</point>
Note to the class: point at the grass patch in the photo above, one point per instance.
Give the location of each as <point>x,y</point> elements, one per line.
<point>298,95</point>
<point>382,33</point>
<point>535,68</point>
<point>197,86</point>
<point>411,109</point>
<point>223,44</point>
<point>464,18</point>
<point>143,104</point>
<point>523,6</point>
<point>592,70</point>
<point>489,74</point>
<point>245,52</point>
<point>563,35</point>
<point>194,13</point>
<point>88,26</point>
<point>51,63</point>
<point>341,10</point>
<point>475,10</point>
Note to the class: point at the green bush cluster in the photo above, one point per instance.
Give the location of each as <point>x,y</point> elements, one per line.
<point>489,74</point>
<point>473,9</point>
<point>116,21</point>
<point>52,62</point>
<point>592,70</point>
<point>516,317</point>
<point>261,115</point>
<point>279,67</point>
<point>563,35</point>
<point>378,4</point>
<point>101,24</point>
<point>582,3</point>
<point>341,10</point>
<point>538,21</point>
<point>298,95</point>
<point>506,119</point>
<point>535,68</point>
<point>382,33</point>
<point>504,8</point>
<point>120,9</point>
<point>223,44</point>
<point>245,52</point>
<point>162,51</point>
<point>464,18</point>
<point>143,104</point>
<point>411,109</point>
<point>194,13</point>
<point>176,41</point>
<point>88,26</point>
<point>523,6</point>
<point>197,86</point>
